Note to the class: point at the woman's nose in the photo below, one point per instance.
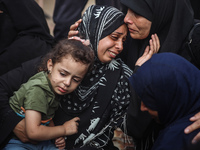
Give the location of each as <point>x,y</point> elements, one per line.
<point>119,46</point>
<point>127,18</point>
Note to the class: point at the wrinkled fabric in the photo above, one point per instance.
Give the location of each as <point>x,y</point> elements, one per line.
<point>169,84</point>
<point>24,33</point>
<point>171,21</point>
<point>100,115</point>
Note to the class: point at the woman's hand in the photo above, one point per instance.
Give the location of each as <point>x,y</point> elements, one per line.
<point>152,48</point>
<point>194,126</point>
<point>20,132</point>
<point>73,27</point>
<point>73,33</point>
<point>60,142</point>
<point>85,42</point>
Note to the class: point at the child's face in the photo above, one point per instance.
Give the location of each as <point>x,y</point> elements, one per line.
<point>153,113</point>
<point>66,75</point>
<point>110,46</point>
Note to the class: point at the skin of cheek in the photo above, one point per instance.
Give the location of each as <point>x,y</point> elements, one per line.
<point>104,45</point>
<point>153,113</point>
<point>66,82</point>
<point>110,46</point>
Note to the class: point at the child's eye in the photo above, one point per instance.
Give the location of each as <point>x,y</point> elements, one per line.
<point>76,80</point>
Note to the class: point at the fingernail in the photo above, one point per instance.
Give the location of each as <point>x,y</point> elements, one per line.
<point>186,130</point>
<point>194,141</point>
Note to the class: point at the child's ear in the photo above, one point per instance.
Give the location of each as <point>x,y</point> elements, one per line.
<point>49,65</point>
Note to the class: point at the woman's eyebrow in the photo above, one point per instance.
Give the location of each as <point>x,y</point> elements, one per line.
<point>118,33</point>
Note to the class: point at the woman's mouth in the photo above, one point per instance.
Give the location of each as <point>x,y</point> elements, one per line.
<point>112,54</point>
<point>132,30</point>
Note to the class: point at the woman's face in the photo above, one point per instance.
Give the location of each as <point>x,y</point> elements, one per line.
<point>110,46</point>
<point>139,27</point>
<point>66,75</point>
<point>153,113</point>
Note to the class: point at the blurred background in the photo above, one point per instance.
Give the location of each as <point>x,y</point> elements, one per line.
<point>48,7</point>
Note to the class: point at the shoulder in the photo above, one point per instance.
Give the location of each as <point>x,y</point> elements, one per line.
<point>37,83</point>
<point>125,69</point>
<point>173,136</point>
<point>194,42</point>
<point>195,31</point>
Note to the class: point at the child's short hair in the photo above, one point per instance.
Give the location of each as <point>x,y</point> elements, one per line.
<point>75,48</point>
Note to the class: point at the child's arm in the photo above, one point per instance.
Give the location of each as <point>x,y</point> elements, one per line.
<point>51,123</point>
<point>36,131</point>
<point>60,141</point>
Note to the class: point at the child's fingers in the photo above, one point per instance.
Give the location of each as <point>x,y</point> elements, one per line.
<point>60,143</point>
<point>76,119</point>
<point>59,139</point>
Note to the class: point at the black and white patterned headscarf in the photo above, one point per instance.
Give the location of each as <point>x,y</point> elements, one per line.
<point>98,22</point>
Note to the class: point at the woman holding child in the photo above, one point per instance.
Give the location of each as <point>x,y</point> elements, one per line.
<point>102,98</point>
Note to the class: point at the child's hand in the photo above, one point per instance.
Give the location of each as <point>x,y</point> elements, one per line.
<point>71,126</point>
<point>60,143</point>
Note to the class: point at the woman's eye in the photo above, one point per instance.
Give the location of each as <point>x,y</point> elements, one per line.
<point>114,37</point>
<point>62,74</point>
<point>136,15</point>
<point>124,39</point>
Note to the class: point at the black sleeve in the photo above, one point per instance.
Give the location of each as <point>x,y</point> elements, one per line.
<point>141,126</point>
<point>24,33</point>
<point>137,121</point>
<point>28,18</point>
<point>194,44</point>
<point>9,83</point>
